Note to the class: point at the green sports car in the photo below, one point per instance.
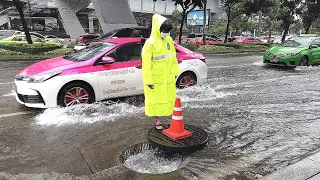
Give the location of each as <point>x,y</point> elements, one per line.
<point>297,51</point>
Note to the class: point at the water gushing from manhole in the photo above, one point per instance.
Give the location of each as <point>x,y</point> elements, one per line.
<point>145,158</point>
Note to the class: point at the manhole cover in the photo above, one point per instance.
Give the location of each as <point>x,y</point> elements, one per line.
<point>146,158</point>
<point>197,141</point>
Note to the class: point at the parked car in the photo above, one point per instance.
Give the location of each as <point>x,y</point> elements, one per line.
<point>103,70</point>
<point>138,31</point>
<point>23,39</point>
<point>246,40</point>
<point>297,51</point>
<point>50,38</point>
<point>8,33</point>
<point>87,38</point>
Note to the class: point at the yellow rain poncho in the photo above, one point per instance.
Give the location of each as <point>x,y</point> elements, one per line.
<point>159,68</point>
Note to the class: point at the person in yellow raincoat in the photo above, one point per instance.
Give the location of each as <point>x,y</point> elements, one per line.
<point>159,70</point>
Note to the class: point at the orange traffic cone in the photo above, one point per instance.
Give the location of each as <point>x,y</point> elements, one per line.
<point>176,130</point>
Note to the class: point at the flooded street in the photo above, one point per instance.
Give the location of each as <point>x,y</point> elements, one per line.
<point>259,119</point>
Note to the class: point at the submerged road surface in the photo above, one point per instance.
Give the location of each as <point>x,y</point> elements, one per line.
<point>259,119</point>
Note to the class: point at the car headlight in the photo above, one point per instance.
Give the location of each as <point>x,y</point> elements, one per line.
<point>38,78</point>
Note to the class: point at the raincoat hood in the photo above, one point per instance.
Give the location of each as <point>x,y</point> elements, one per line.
<point>157,21</point>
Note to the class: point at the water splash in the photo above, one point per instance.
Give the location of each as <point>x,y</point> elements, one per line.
<point>12,93</point>
<point>149,162</point>
<point>259,63</point>
<point>201,93</point>
<point>87,114</point>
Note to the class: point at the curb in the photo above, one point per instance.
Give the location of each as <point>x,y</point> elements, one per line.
<point>308,168</point>
<point>226,53</point>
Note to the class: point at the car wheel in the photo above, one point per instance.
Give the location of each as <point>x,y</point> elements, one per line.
<point>303,61</point>
<point>186,80</point>
<point>75,93</point>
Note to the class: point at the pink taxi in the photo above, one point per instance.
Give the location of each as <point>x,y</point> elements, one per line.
<point>104,70</point>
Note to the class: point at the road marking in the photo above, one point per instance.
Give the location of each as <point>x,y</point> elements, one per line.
<point>6,83</point>
<point>14,114</point>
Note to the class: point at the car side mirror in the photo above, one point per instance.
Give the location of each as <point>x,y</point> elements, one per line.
<point>313,46</point>
<point>107,60</point>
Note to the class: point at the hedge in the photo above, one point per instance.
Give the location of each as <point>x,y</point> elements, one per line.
<point>30,48</point>
<point>7,54</point>
<point>190,46</point>
<point>233,45</point>
<point>214,48</point>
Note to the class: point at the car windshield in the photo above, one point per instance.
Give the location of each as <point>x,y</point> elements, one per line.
<point>296,42</point>
<point>88,52</point>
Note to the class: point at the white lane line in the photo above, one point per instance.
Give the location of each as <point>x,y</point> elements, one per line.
<point>6,83</point>
<point>14,114</point>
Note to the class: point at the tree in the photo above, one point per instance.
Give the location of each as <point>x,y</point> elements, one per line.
<point>271,19</point>
<point>236,8</point>
<point>19,6</point>
<point>288,10</point>
<point>310,13</point>
<point>204,25</point>
<point>175,19</point>
<point>233,9</point>
<point>187,6</point>
<point>218,27</point>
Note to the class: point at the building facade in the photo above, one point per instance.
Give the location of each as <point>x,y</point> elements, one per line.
<point>92,16</point>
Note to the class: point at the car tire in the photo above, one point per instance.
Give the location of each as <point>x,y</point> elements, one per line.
<point>186,79</point>
<point>75,93</point>
<point>303,61</point>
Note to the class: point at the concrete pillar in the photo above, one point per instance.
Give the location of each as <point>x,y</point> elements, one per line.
<point>91,27</point>
<point>69,19</point>
<point>114,14</point>
<point>3,19</point>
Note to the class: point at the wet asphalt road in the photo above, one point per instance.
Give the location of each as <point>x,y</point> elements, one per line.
<point>259,119</point>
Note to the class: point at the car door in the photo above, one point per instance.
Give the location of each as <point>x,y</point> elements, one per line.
<point>314,53</point>
<point>124,76</point>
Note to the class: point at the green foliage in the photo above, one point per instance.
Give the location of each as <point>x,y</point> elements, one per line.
<point>233,45</point>
<point>7,54</point>
<point>310,13</point>
<point>187,6</point>
<point>262,44</point>
<point>211,48</point>
<point>222,48</point>
<point>30,48</point>
<point>254,47</point>
<point>59,52</point>
<point>218,27</point>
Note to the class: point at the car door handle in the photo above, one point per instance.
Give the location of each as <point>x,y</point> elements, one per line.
<point>139,66</point>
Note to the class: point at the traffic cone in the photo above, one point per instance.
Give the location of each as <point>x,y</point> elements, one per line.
<point>176,130</point>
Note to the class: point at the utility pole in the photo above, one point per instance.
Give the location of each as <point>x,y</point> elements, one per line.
<point>204,21</point>
<point>29,14</point>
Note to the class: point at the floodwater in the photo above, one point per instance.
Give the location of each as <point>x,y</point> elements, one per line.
<point>259,119</point>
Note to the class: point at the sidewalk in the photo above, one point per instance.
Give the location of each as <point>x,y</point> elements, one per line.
<point>308,168</point>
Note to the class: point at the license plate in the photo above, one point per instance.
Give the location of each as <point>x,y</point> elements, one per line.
<point>274,60</point>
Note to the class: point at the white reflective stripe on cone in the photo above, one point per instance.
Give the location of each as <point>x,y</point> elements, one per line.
<point>177,117</point>
<point>177,108</point>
